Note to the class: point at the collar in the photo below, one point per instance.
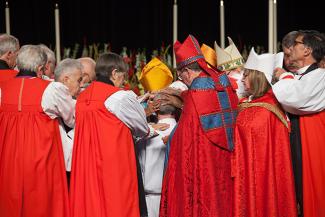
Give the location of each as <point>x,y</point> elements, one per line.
<point>4,65</point>
<point>167,121</point>
<point>26,73</point>
<point>302,70</point>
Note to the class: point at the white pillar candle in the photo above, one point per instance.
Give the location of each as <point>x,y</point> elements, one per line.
<point>222,24</point>
<point>275,27</point>
<point>7,18</point>
<point>57,33</point>
<point>271,28</point>
<point>174,29</point>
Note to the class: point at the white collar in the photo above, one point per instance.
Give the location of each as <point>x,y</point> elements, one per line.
<point>167,121</point>
<point>302,70</point>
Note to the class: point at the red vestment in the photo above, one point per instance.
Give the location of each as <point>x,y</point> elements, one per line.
<point>262,168</point>
<point>197,182</point>
<point>104,176</point>
<point>7,74</point>
<point>312,128</point>
<point>32,173</point>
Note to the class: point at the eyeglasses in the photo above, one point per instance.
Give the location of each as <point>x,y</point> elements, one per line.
<point>179,74</point>
<point>297,42</point>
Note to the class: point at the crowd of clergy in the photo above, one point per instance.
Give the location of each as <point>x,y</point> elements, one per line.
<point>227,138</point>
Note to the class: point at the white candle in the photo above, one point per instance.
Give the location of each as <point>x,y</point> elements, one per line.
<point>271,28</point>
<point>275,27</point>
<point>57,33</point>
<point>222,24</point>
<point>174,29</point>
<point>7,18</point>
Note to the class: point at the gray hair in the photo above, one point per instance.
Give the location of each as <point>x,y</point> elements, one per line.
<point>8,43</point>
<point>50,56</point>
<point>166,109</point>
<point>30,57</point>
<point>289,39</point>
<point>66,66</point>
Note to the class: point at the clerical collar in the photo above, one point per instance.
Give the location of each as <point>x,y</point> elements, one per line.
<point>302,70</point>
<point>4,65</point>
<point>104,79</point>
<point>26,73</point>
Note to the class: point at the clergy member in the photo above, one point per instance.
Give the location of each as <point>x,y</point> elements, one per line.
<point>9,46</point>
<point>104,175</point>
<point>262,170</point>
<point>303,94</point>
<point>197,181</point>
<point>32,174</point>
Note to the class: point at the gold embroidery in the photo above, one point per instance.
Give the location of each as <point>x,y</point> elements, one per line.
<point>272,108</point>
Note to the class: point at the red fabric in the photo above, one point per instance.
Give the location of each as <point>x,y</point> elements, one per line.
<point>32,173</point>
<point>262,169</point>
<point>104,177</point>
<point>312,128</point>
<point>7,74</point>
<point>197,182</point>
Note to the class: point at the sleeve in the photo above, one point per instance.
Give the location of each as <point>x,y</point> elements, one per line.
<point>57,102</point>
<point>126,107</point>
<point>304,96</point>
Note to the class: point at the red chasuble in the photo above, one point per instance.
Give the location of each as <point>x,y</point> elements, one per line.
<point>32,173</point>
<point>197,182</point>
<point>7,74</point>
<point>262,169</point>
<point>104,176</point>
<point>312,128</point>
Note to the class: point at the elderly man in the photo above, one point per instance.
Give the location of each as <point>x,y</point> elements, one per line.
<point>9,46</point>
<point>50,64</point>
<point>198,181</point>
<point>32,174</point>
<point>88,74</point>
<point>303,94</point>
<point>68,73</point>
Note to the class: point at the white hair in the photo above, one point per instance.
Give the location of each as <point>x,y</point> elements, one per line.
<point>66,66</point>
<point>30,57</point>
<point>8,43</point>
<point>50,56</point>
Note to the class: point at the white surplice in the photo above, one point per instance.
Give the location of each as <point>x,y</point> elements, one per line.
<point>152,158</point>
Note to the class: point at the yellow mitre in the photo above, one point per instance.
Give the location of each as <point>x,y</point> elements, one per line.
<point>155,75</point>
<point>209,54</point>
<point>228,58</point>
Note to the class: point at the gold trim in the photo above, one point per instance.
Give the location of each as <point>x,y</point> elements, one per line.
<point>20,94</point>
<point>272,108</point>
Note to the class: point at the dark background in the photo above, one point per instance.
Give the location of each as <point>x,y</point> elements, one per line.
<point>148,23</point>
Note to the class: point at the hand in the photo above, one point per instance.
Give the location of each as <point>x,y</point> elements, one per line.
<point>277,72</point>
<point>170,91</point>
<point>160,126</point>
<point>175,101</point>
<point>165,139</point>
<point>153,106</point>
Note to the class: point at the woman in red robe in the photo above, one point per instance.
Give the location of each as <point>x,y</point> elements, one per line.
<point>262,169</point>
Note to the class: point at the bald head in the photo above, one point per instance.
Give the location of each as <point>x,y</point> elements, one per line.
<point>88,73</point>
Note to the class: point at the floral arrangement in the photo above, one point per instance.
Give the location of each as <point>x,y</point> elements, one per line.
<point>136,59</point>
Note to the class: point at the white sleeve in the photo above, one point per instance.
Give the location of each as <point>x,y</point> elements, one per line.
<point>304,96</point>
<point>67,146</point>
<point>57,102</point>
<point>126,107</point>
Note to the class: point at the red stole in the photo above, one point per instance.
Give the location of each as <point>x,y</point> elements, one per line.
<point>104,176</point>
<point>262,169</point>
<point>312,128</point>
<point>32,173</point>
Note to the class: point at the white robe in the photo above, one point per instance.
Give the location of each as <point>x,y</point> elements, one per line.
<point>304,96</point>
<point>152,158</point>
